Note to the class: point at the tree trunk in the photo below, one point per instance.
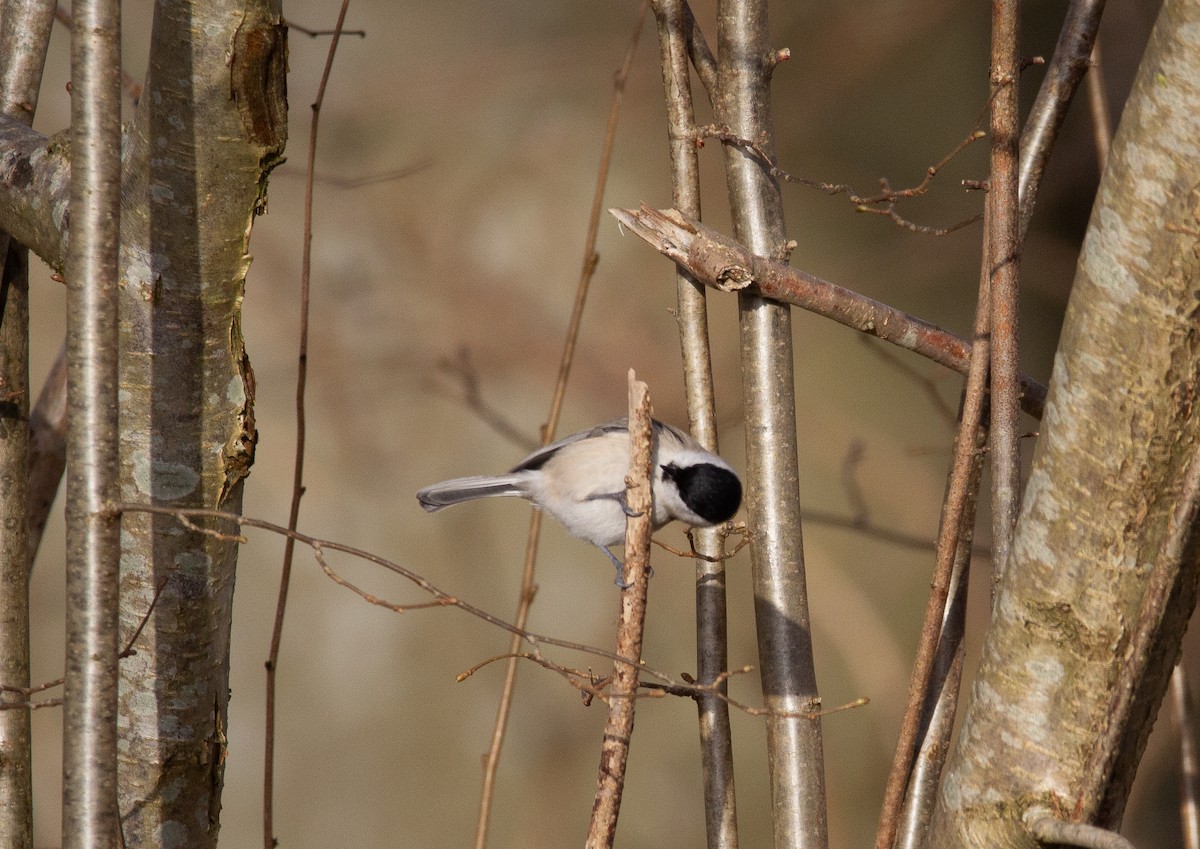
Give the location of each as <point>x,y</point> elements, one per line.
<point>1102,577</point>
<point>210,125</point>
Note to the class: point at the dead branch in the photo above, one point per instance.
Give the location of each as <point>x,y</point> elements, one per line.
<point>618,727</point>
<point>722,263</point>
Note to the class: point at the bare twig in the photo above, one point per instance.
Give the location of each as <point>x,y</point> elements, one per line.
<point>957,506</point>
<point>723,263</point>
<point>676,30</point>
<point>618,727</point>
<point>491,760</point>
<point>1049,110</point>
<point>444,598</point>
<point>314,33</point>
<point>1189,759</point>
<point>941,691</point>
<point>881,203</point>
<point>272,664</point>
<point>1098,106</point>
<point>1004,243</point>
<point>374,179</point>
<point>699,52</point>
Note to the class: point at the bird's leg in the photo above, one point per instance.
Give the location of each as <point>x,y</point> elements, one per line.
<point>618,497</point>
<point>619,566</point>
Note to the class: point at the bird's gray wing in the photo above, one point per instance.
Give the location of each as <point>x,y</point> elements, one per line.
<point>540,457</point>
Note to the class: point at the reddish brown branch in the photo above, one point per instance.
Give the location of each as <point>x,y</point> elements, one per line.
<point>724,264</point>
<point>881,203</point>
<point>272,664</point>
<point>1003,243</point>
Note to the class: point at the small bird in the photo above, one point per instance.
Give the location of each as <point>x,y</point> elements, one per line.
<point>580,481</point>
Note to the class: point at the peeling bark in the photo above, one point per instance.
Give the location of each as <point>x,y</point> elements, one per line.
<point>208,130</point>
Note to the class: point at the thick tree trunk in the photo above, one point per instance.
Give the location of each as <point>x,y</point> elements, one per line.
<point>211,124</point>
<point>1102,577</point>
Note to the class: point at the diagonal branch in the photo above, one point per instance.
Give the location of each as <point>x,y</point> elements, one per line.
<point>722,263</point>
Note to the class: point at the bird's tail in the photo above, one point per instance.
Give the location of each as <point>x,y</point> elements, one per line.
<point>466,489</point>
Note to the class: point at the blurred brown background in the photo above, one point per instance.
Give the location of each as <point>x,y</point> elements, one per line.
<point>503,104</point>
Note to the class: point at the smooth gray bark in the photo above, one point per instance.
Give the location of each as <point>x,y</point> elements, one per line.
<point>1102,576</point>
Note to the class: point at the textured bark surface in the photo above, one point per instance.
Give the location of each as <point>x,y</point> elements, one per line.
<point>210,126</point>
<point>1117,439</point>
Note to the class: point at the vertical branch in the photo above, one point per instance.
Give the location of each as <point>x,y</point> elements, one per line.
<point>940,687</point>
<point>1189,759</point>
<point>954,533</point>
<point>712,651</point>
<point>1098,106</point>
<point>1003,246</point>
<point>772,495</point>
<point>618,726</point>
<point>16,790</point>
<point>24,38</point>
<point>491,760</point>
<point>90,696</point>
<point>272,664</point>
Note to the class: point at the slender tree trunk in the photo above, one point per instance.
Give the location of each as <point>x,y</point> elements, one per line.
<point>789,683</point>
<point>23,39</point>
<point>1102,574</point>
<point>211,124</point>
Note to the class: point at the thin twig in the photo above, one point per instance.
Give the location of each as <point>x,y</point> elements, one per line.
<point>1189,759</point>
<point>491,761</point>
<point>618,726</point>
<point>1004,244</point>
<point>446,599</point>
<point>128,651</point>
<point>881,203</point>
<point>1098,106</point>
<point>272,665</point>
<point>724,264</point>
<point>1049,110</point>
<point>374,179</point>
<point>314,33</point>
<point>942,688</point>
<point>961,487</point>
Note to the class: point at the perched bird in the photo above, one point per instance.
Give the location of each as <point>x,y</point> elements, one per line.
<point>580,481</point>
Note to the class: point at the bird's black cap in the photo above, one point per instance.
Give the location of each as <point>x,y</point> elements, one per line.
<point>711,492</point>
